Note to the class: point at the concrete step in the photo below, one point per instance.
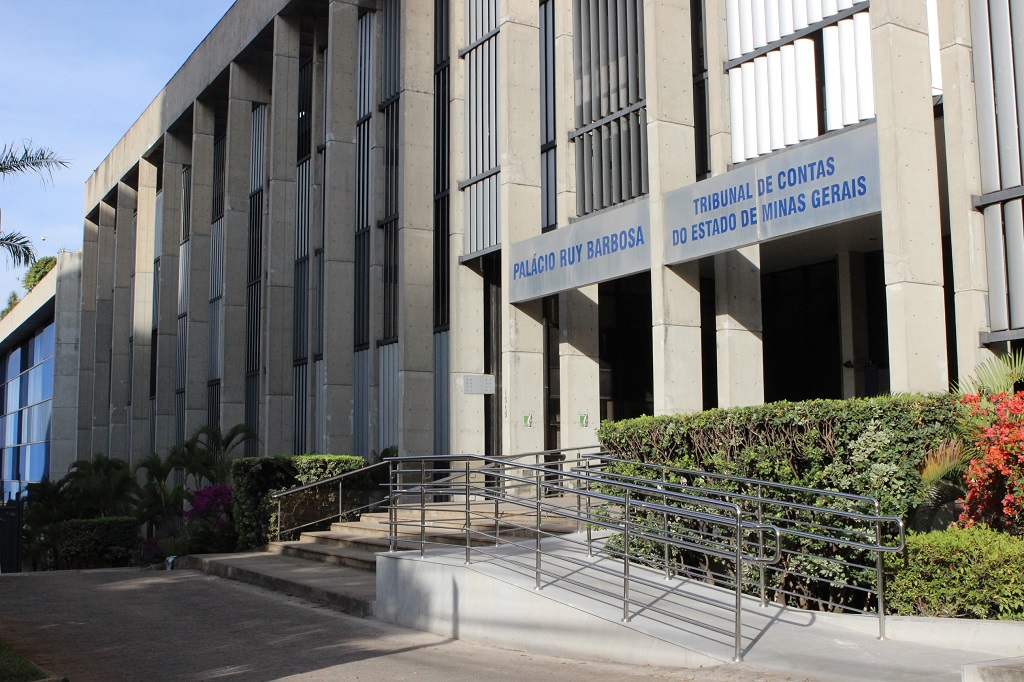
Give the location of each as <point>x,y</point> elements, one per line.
<point>347,589</point>
<point>354,557</point>
<point>1003,670</point>
<point>346,537</point>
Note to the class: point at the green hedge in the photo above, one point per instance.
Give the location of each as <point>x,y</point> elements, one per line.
<point>959,573</point>
<point>106,542</point>
<point>256,478</point>
<point>867,446</point>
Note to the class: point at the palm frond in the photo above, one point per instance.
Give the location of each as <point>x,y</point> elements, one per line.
<point>29,159</point>
<point>947,462</point>
<point>996,375</point>
<point>18,248</point>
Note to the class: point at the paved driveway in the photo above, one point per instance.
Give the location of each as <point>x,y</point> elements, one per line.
<point>183,625</point>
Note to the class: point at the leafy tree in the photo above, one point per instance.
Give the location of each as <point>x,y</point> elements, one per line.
<point>37,271</point>
<point>12,301</point>
<point>25,159</point>
<point>160,499</point>
<point>101,486</point>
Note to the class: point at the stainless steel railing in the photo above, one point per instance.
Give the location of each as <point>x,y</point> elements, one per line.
<point>332,481</point>
<point>684,521</point>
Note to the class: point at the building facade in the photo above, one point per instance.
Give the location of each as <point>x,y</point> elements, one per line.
<point>486,225</point>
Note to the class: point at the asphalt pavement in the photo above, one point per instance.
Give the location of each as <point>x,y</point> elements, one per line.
<point>129,624</point>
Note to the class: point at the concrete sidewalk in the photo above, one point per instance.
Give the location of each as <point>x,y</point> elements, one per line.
<point>182,625</point>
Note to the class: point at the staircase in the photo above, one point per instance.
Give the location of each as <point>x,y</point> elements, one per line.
<point>356,543</point>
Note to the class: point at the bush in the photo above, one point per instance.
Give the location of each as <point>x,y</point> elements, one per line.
<point>866,446</point>
<point>995,479</point>
<point>106,542</point>
<point>256,478</point>
<point>959,573</point>
<point>869,447</point>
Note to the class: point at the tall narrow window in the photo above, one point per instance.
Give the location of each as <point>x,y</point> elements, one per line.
<point>216,299</point>
<point>184,269</point>
<point>442,250</point>
<point>701,133</point>
<point>254,279</point>
<point>548,184</point>
<point>611,109</point>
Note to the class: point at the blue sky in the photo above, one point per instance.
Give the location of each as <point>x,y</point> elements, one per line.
<point>75,75</point>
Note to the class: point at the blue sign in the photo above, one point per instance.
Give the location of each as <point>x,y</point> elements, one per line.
<point>810,186</point>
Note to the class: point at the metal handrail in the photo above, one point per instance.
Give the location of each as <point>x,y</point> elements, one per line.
<point>339,479</point>
<point>708,511</point>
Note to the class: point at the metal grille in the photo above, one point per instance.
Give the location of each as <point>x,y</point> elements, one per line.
<point>319,417</point>
<point>361,403</point>
<point>442,166</point>
<point>186,202</point>
<point>548,176</point>
<point>611,111</point>
<point>254,280</point>
<point>217,247</point>
<point>998,32</point>
<point>701,132</point>
<point>389,398</point>
<point>213,404</point>
<point>442,398</point>
<point>481,188</point>
<point>363,183</point>
<point>219,176</point>
<point>299,389</point>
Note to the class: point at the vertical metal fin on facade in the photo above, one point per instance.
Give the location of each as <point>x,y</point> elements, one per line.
<point>548,176</point>
<point>215,364</point>
<point>481,187</point>
<point>442,250</point>
<point>997,28</point>
<point>181,352</point>
<point>611,115</point>
<point>774,95</point>
<point>300,290</point>
<point>254,280</point>
<point>363,176</point>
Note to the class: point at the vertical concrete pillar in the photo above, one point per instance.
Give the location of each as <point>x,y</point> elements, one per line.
<point>675,291</point>
<point>911,228</point>
<point>204,121</point>
<point>853,322</point>
<point>67,345</point>
<point>738,328</point>
<point>142,314</point>
<point>339,224</point>
<point>466,333</point>
<point>416,232</point>
<point>87,335</point>
<point>245,86</point>
<point>177,154</point>
<point>104,327</point>
<point>279,247</point>
<point>963,179</point>
<point>579,318</point>
<point>314,318</point>
<point>120,362</point>
<point>522,331</point>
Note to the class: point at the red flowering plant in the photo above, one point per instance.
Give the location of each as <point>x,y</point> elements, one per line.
<point>995,479</point>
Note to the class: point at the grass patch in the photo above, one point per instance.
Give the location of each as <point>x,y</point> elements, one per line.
<point>16,668</point>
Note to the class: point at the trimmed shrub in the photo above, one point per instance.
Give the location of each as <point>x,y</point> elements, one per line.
<point>106,542</point>
<point>866,446</point>
<point>959,573</point>
<point>256,478</point>
<point>869,447</point>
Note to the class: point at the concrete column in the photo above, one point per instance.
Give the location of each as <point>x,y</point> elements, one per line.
<point>853,322</point>
<point>66,377</point>
<point>245,87</point>
<point>675,291</point>
<point>314,317</point>
<point>963,179</point>
<point>279,247</point>
<point>204,120</point>
<point>416,232</point>
<point>578,325</point>
<point>339,225</point>
<point>466,332</point>
<point>142,315</point>
<point>120,386</point>
<point>910,199</point>
<point>522,331</point>
<point>87,336</point>
<point>738,328</point>
<point>177,154</point>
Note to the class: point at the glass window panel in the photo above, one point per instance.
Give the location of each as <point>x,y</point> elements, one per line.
<point>38,383</point>
<point>35,423</point>
<point>33,462</point>
<point>13,395</point>
<point>7,465</point>
<point>27,356</point>
<point>44,343</point>
<point>14,363</point>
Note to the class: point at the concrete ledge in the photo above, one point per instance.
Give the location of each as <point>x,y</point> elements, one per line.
<point>996,637</point>
<point>462,603</point>
<point>346,589</point>
<point>1006,670</point>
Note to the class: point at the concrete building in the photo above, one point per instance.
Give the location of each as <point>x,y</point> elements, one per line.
<point>39,361</point>
<point>485,225</point>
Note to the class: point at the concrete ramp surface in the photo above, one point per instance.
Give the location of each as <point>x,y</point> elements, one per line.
<point>578,613</point>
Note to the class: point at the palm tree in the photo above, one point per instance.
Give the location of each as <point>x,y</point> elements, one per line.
<point>25,159</point>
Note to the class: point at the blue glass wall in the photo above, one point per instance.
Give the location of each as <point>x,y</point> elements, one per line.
<point>27,397</point>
